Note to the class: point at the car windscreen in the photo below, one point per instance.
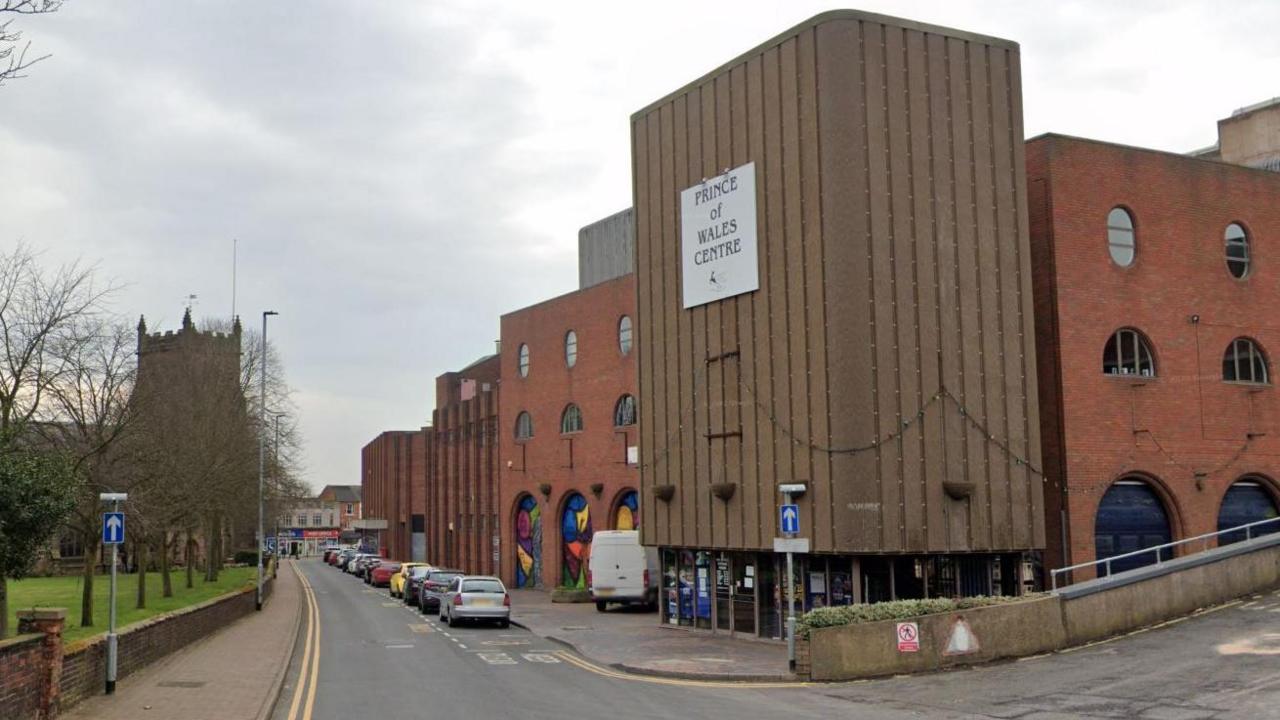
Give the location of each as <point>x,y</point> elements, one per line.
<point>442,577</point>
<point>418,572</point>
<point>482,586</point>
<point>390,566</point>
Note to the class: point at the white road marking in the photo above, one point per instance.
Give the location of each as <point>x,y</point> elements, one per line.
<point>464,647</point>
<point>540,658</point>
<point>397,647</point>
<point>498,658</point>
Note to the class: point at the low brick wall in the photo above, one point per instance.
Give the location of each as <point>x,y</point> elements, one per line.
<point>1076,615</point>
<point>23,664</point>
<point>998,631</point>
<point>26,672</point>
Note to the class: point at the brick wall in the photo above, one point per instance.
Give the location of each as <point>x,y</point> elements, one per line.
<point>84,666</point>
<point>1186,432</point>
<point>592,462</point>
<point>23,670</point>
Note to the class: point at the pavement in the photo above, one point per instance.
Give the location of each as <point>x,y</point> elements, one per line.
<point>234,674</point>
<point>633,640</point>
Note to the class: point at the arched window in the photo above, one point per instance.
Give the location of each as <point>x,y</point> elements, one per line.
<point>624,413</point>
<point>524,426</point>
<point>528,535</point>
<point>1244,362</point>
<point>624,334</point>
<point>626,516</point>
<point>1130,518</point>
<point>1127,353</point>
<point>1237,241</point>
<point>570,348</point>
<point>1120,236</point>
<point>1247,501</point>
<point>571,420</point>
<point>575,541</point>
<point>522,361</point>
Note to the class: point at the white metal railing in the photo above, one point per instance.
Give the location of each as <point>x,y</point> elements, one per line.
<point>1158,549</point>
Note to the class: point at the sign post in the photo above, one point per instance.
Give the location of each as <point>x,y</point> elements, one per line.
<point>113,535</point>
<point>789,522</point>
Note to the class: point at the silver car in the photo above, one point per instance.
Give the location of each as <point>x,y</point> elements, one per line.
<point>476,597</point>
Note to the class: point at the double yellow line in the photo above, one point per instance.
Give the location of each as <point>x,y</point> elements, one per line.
<point>310,656</point>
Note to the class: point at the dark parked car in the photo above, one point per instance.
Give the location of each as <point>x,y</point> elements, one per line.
<point>434,586</point>
<point>380,574</point>
<point>413,583</point>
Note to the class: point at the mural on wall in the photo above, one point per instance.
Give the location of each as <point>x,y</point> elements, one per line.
<point>627,516</point>
<point>575,533</point>
<point>528,543</point>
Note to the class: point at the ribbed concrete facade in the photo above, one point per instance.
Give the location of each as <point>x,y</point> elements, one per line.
<point>887,359</point>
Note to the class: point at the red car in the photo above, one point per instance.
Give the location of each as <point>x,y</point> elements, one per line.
<point>380,576</point>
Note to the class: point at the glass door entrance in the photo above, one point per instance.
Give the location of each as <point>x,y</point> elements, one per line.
<point>744,594</point>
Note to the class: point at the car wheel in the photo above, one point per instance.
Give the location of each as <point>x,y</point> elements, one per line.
<point>601,605</point>
<point>504,624</point>
<point>452,622</point>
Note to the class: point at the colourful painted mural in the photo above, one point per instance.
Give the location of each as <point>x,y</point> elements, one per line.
<point>627,516</point>
<point>528,542</point>
<point>575,533</point>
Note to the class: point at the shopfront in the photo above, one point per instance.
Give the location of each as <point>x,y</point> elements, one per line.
<point>302,542</point>
<point>744,593</point>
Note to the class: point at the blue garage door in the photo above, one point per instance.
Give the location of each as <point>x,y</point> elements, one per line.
<point>1247,501</point>
<point>1130,517</point>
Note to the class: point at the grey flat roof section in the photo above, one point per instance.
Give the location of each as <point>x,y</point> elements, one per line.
<point>1129,577</point>
<point>820,19</point>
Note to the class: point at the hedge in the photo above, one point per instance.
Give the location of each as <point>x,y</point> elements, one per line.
<point>893,610</point>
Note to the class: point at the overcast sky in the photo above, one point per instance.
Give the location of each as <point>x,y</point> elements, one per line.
<point>399,174</point>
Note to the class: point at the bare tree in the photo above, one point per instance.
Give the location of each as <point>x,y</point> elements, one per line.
<point>40,327</point>
<point>90,417</point>
<point>14,58</point>
<point>43,319</point>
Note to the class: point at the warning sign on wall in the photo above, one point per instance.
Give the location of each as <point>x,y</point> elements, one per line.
<point>908,637</point>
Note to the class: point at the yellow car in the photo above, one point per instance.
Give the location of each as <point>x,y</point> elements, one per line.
<point>397,579</point>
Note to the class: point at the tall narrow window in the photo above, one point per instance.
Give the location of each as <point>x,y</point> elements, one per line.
<point>570,348</point>
<point>1244,362</point>
<point>624,334</point>
<point>522,360</point>
<point>1120,236</point>
<point>624,413</point>
<point>571,421</point>
<point>1127,353</point>
<point>1237,250</point>
<point>524,426</point>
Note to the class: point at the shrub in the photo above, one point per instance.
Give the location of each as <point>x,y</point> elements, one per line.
<point>893,610</point>
<point>249,557</point>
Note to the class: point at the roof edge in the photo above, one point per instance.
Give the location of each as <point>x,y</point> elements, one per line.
<point>1048,136</point>
<point>820,19</point>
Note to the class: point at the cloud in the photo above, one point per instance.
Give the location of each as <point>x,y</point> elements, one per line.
<point>400,174</point>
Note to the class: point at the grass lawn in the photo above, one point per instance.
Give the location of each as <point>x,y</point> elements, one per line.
<point>64,592</point>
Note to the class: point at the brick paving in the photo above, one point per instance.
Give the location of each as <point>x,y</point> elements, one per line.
<point>234,674</point>
<point>630,640</point>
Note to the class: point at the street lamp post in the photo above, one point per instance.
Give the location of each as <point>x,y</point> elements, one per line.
<point>262,447</point>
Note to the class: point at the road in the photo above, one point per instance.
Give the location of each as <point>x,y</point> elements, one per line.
<point>379,659</point>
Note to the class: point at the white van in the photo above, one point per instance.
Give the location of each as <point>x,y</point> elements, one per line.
<point>621,570</point>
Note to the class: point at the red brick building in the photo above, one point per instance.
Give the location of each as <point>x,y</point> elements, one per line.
<point>567,431</point>
<point>1153,280</point>
<point>461,478</point>
<point>393,488</point>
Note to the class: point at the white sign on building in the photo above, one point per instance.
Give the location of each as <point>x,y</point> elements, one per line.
<point>718,237</point>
